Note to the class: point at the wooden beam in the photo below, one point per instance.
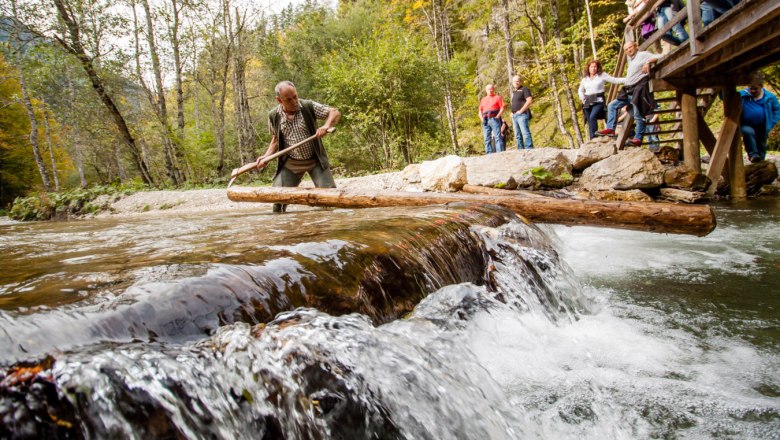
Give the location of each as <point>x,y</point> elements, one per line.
<point>754,16</point>
<point>628,124</point>
<point>736,168</point>
<point>678,17</point>
<point>660,84</point>
<point>694,26</point>
<point>665,121</point>
<point>755,45</point>
<point>643,216</point>
<point>705,134</point>
<point>687,81</point>
<point>690,129</point>
<point>618,73</point>
<point>732,108</point>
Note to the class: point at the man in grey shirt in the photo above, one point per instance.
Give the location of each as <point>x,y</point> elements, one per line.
<point>635,92</point>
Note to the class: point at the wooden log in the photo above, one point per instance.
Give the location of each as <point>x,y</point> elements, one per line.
<point>690,129</point>
<point>476,189</point>
<point>736,167</point>
<point>653,217</point>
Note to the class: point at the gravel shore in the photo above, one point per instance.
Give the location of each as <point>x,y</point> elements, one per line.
<point>216,200</point>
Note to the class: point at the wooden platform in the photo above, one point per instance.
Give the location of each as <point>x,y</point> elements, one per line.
<point>711,64</point>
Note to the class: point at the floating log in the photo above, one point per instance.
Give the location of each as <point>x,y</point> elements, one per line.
<point>670,218</point>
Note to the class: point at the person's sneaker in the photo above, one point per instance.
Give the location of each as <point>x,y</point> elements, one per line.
<point>634,142</point>
<point>606,132</point>
<point>754,159</point>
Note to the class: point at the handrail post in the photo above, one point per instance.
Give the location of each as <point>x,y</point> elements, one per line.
<point>694,25</point>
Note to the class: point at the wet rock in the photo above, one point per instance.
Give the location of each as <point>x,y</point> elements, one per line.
<point>756,176</point>
<point>596,149</point>
<point>685,177</point>
<point>635,168</point>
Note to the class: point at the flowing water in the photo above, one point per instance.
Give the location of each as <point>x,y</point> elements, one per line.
<point>468,323</point>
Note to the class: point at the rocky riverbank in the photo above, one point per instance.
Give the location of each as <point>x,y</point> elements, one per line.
<point>596,171</point>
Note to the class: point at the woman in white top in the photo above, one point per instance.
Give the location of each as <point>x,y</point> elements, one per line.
<point>591,93</point>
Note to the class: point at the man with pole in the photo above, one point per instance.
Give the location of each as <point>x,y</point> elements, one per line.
<point>292,123</point>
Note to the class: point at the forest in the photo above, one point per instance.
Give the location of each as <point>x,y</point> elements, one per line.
<point>175,93</point>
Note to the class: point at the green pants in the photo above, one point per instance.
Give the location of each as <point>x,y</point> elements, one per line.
<point>322,178</point>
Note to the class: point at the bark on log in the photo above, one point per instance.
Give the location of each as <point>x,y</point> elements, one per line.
<point>653,217</point>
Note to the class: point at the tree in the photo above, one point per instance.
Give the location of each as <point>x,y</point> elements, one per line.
<point>71,41</point>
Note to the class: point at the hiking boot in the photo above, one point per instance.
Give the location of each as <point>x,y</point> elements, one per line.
<point>634,142</point>
<point>606,132</point>
<point>754,159</point>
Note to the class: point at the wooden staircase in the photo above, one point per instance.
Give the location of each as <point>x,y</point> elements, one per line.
<point>713,62</point>
<point>666,121</point>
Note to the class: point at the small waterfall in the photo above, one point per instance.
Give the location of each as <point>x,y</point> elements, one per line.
<point>203,357</point>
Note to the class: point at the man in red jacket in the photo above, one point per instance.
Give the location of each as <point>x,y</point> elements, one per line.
<point>490,109</point>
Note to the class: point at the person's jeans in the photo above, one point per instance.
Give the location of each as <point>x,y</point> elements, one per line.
<point>709,11</point>
<point>522,131</point>
<point>612,111</point>
<point>677,34</point>
<point>492,131</point>
<point>592,117</point>
<point>322,178</point>
<point>754,139</point>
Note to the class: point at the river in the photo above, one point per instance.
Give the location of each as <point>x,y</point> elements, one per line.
<point>471,324</point>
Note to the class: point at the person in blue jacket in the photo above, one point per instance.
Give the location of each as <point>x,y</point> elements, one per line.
<point>760,113</point>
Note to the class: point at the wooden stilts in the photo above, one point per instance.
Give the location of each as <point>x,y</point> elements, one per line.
<point>732,108</point>
<point>736,168</point>
<point>627,125</point>
<point>690,128</point>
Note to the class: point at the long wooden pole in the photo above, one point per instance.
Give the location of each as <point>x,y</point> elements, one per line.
<point>654,217</point>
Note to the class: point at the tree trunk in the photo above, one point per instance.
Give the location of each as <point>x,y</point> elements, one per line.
<point>438,23</point>
<point>510,64</point>
<point>169,145</point>
<point>554,85</point>
<point>175,43</point>
<point>590,29</point>
<point>75,139</point>
<point>244,128</point>
<point>51,150</point>
<point>642,216</point>
<point>33,127</point>
<point>564,78</point>
<point>76,48</point>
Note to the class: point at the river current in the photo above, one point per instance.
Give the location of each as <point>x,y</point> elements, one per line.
<point>468,323</point>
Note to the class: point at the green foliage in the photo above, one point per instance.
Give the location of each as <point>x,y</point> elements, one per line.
<point>540,173</point>
<point>67,204</point>
<point>388,87</point>
<point>17,167</point>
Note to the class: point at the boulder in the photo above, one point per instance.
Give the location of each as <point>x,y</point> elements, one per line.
<point>411,174</point>
<point>447,174</point>
<point>596,149</point>
<point>685,177</point>
<point>548,167</point>
<point>634,168</point>
<point>668,155</point>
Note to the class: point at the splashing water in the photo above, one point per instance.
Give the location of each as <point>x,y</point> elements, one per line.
<point>520,351</point>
